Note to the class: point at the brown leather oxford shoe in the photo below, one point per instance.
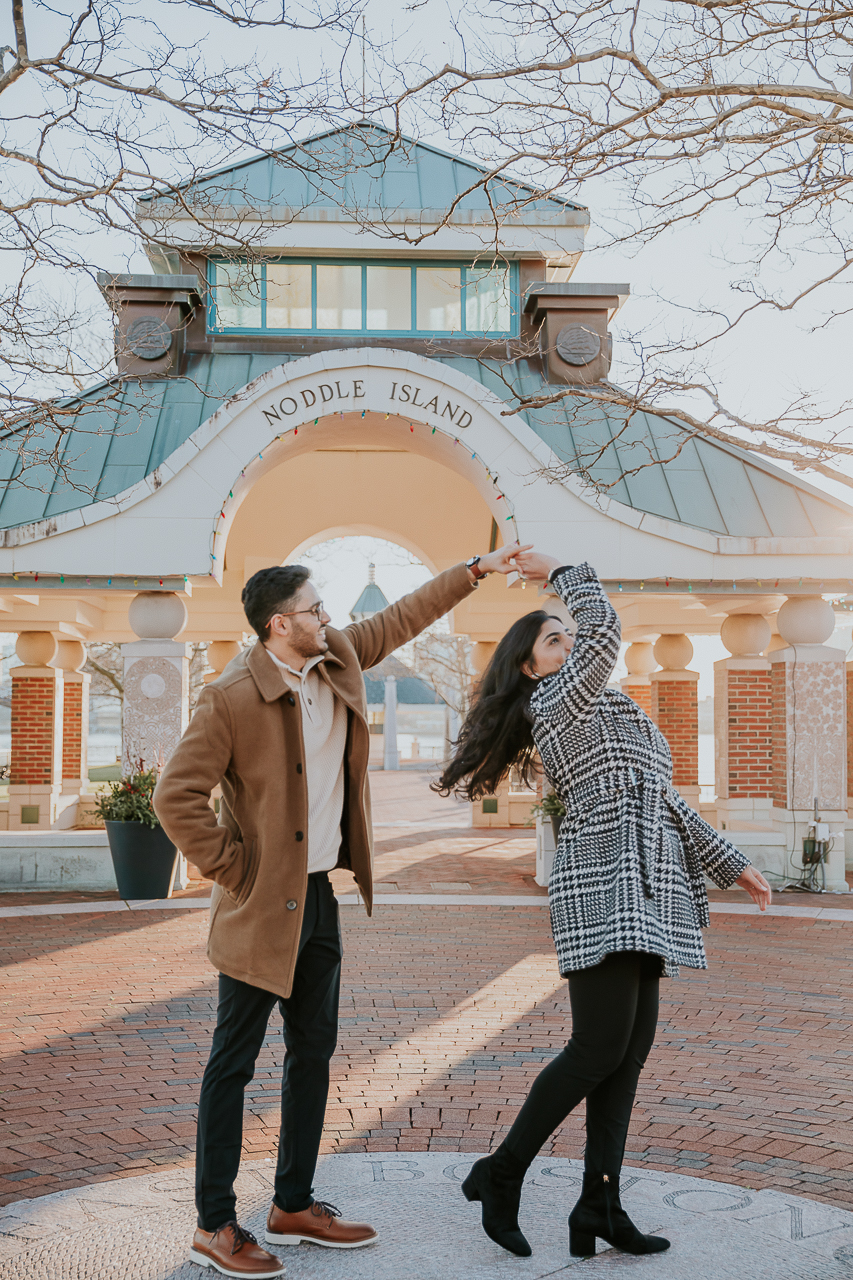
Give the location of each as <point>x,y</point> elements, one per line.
<point>234,1252</point>
<point>320,1224</point>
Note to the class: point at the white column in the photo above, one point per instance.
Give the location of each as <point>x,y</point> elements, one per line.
<point>156,681</point>
<point>392,756</point>
<point>810,738</point>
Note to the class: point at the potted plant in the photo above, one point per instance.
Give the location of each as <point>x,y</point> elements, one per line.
<point>143,856</point>
<point>551,806</point>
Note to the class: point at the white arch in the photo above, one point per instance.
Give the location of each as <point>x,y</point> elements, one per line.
<point>177,519</point>
<point>362,531</point>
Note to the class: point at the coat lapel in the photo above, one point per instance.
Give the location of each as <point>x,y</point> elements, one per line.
<point>265,673</point>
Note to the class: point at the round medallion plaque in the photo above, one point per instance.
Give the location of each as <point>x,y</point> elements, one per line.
<point>578,345</point>
<point>148,338</point>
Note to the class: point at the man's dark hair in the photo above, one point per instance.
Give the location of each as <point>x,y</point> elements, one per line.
<point>272,591</point>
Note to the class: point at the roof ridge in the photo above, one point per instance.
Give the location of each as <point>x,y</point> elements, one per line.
<point>363,123</point>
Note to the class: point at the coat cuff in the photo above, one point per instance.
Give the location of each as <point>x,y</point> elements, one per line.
<point>569,576</point>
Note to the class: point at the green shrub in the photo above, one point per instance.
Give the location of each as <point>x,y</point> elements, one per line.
<point>129,800</point>
<point>550,806</point>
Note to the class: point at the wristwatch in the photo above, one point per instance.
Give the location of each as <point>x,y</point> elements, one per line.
<point>474,565</point>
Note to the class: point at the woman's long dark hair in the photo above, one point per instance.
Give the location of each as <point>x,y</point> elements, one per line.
<point>497,733</point>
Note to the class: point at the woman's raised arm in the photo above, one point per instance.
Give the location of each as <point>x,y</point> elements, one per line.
<point>572,693</point>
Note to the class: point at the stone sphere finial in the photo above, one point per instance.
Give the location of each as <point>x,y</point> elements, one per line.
<point>745,635</point>
<point>639,658</point>
<point>806,620</point>
<point>157,615</point>
<point>71,655</point>
<point>36,648</point>
<point>673,652</point>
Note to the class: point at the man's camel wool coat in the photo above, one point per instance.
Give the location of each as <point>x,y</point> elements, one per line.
<point>246,733</point>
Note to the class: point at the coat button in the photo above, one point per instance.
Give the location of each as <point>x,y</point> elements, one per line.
<point>299,768</point>
<point>299,835</point>
<point>291,906</point>
<point>291,699</point>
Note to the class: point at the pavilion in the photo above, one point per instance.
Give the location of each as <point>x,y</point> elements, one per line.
<point>355,372</point>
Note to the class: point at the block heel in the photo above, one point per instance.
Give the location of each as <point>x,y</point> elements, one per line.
<point>496,1182</point>
<point>469,1189</point>
<point>581,1244</point>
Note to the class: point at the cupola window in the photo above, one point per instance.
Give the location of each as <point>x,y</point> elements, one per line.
<point>298,296</point>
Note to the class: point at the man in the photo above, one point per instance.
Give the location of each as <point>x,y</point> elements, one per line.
<point>284,730</point>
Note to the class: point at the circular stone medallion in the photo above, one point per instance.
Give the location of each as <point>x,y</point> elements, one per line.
<point>148,338</point>
<point>578,345</point>
<point>153,686</point>
<point>143,1226</point>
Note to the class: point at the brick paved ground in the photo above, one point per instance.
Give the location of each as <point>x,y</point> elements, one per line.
<point>447,1015</point>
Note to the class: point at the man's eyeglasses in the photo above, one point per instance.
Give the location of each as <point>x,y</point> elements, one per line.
<point>316,609</point>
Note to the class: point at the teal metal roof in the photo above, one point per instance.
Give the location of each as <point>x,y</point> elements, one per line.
<point>371,600</point>
<point>122,433</point>
<point>362,166</point>
<point>410,690</point>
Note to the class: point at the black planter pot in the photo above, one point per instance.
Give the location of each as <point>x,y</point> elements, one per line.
<point>556,823</point>
<point>144,859</point>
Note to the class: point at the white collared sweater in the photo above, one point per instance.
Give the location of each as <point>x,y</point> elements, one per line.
<point>324,732</point>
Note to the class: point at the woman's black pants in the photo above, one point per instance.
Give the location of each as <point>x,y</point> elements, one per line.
<point>614,1017</point>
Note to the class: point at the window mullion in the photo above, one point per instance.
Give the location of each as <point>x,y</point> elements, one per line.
<point>263,295</point>
<point>464,308</point>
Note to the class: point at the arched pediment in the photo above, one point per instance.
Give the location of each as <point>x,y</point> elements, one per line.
<point>177,519</point>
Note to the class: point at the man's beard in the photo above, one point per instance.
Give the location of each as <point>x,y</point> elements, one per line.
<point>308,644</point>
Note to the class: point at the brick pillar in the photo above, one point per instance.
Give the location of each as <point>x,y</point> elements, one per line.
<point>675,711</point>
<point>35,784</point>
<point>640,660</point>
<point>810,730</point>
<point>743,723</point>
<point>70,657</point>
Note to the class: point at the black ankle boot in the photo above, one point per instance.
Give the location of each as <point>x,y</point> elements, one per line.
<point>496,1182</point>
<point>599,1213</point>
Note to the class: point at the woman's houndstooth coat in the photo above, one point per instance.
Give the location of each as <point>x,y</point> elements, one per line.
<point>628,872</point>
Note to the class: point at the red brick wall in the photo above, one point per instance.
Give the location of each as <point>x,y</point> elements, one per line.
<point>850,731</point>
<point>32,730</point>
<point>641,694</point>
<point>779,736</point>
<point>750,713</point>
<point>72,730</point>
<point>675,711</point>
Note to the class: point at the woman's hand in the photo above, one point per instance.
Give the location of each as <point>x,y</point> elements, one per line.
<point>533,566</point>
<point>501,561</point>
<point>756,886</point>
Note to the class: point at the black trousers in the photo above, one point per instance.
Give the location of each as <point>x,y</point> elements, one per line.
<point>614,1018</point>
<point>310,1017</point>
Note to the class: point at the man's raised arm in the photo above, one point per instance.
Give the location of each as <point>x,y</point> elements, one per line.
<point>380,635</point>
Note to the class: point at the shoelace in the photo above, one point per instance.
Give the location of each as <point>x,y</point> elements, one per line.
<point>241,1236</point>
<point>320,1207</point>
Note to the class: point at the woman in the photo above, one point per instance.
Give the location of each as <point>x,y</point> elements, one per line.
<point>627,891</point>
